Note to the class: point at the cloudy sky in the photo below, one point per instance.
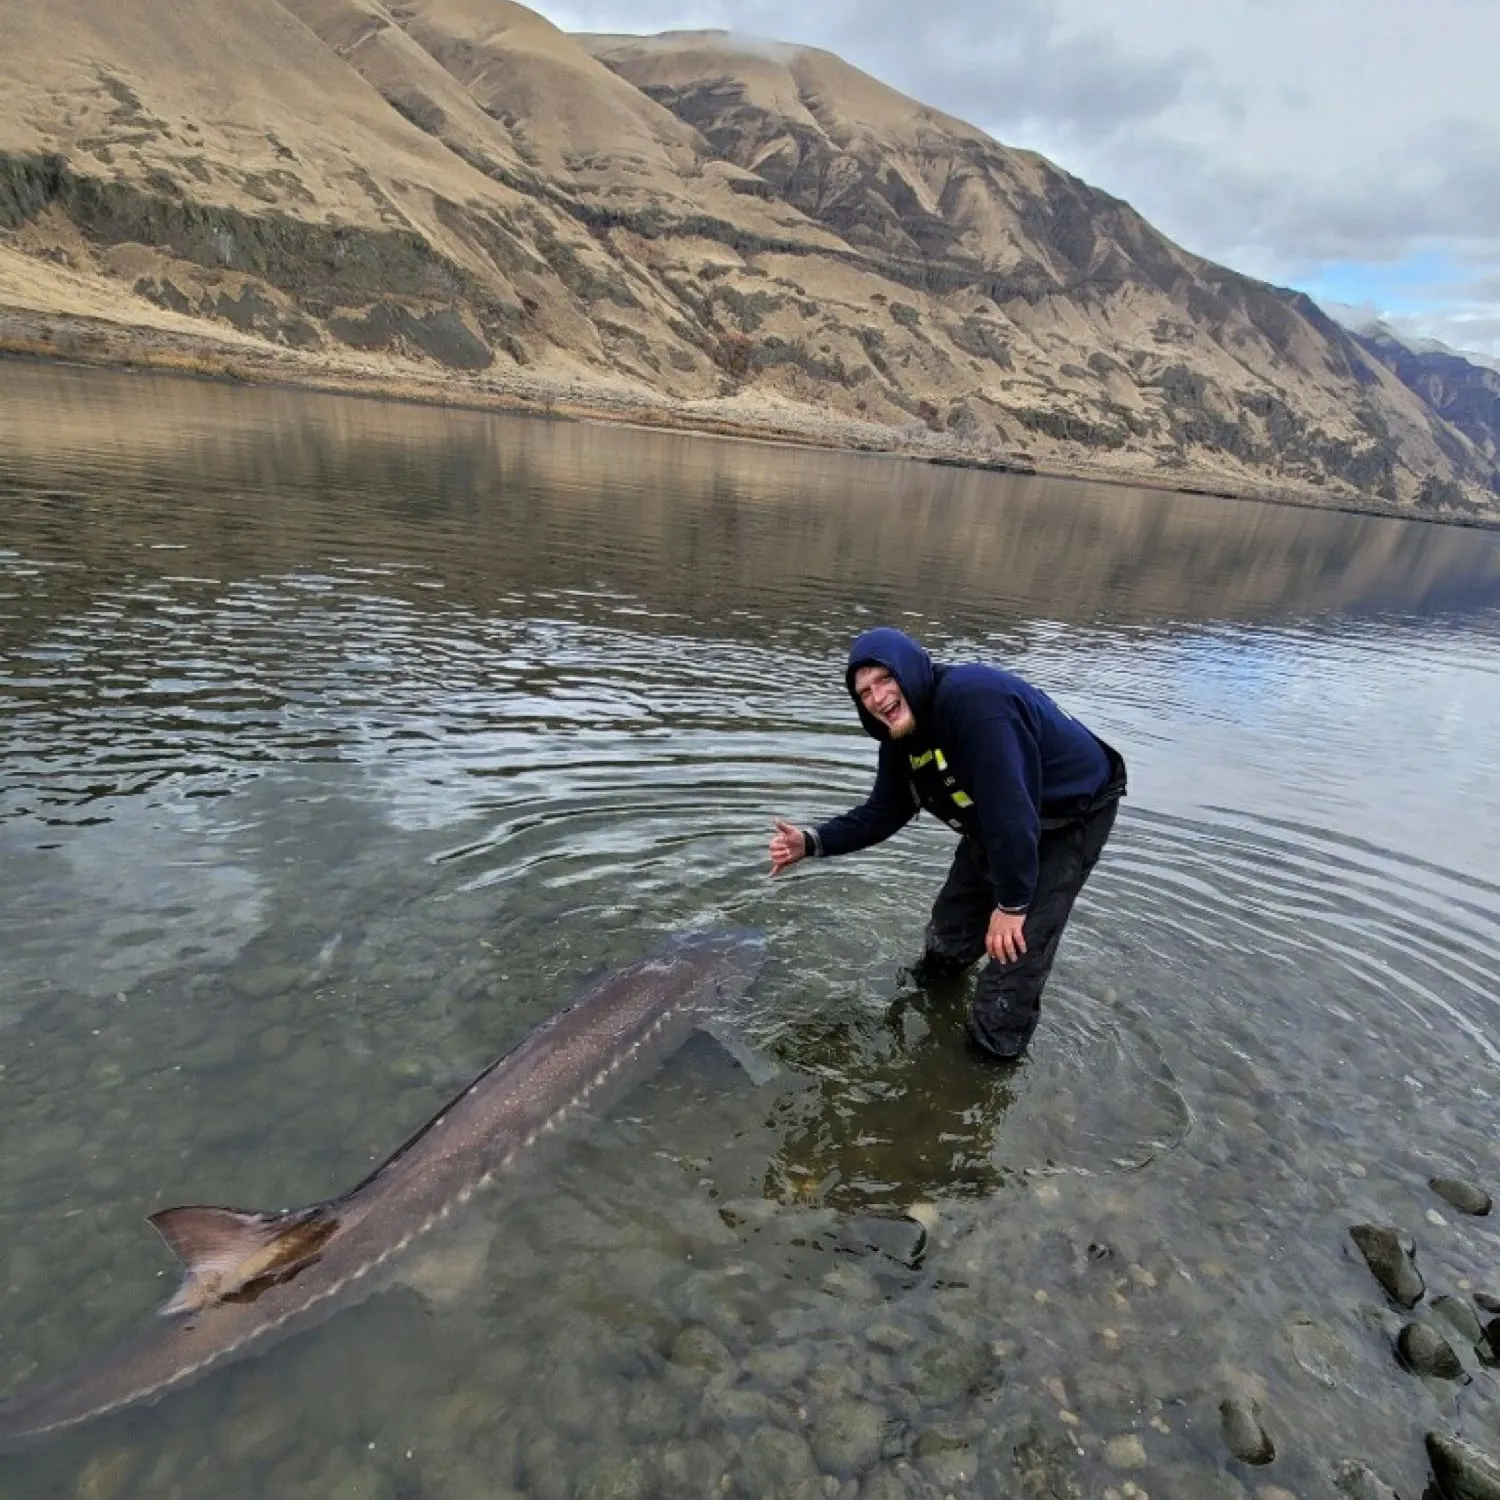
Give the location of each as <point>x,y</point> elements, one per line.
<point>1347,147</point>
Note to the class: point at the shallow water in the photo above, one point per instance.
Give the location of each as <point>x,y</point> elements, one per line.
<point>342,742</point>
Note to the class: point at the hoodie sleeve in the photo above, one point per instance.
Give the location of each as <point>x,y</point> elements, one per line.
<point>1002,759</point>
<point>889,807</point>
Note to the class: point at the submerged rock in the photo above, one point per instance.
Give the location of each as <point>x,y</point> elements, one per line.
<point>1461,1470</point>
<point>1489,1342</point>
<point>1390,1262</point>
<point>1460,1317</point>
<point>1359,1482</point>
<point>1425,1351</point>
<point>1463,1196</point>
<point>1243,1434</point>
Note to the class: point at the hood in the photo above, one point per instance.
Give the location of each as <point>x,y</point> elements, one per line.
<point>905,660</point>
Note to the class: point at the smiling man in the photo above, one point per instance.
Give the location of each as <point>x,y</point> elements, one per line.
<point>1031,792</point>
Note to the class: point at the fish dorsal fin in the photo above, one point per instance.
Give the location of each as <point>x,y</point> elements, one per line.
<point>224,1249</point>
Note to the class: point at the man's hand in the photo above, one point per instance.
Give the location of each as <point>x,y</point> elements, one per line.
<point>1006,940</point>
<point>788,845</point>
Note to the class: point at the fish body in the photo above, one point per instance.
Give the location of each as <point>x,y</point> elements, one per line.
<point>252,1278</point>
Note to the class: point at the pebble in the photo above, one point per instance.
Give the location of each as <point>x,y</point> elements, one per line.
<point>1126,1451</point>
<point>1463,1196</point>
<point>1461,1470</point>
<point>1390,1263</point>
<point>1427,1352</point>
<point>1242,1431</point>
<point>1460,1316</point>
<point>1358,1482</point>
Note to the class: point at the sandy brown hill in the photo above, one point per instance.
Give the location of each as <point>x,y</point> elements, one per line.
<point>455,192</point>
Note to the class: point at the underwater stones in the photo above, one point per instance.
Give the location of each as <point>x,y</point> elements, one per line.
<point>1240,1427</point>
<point>1461,1470</point>
<point>942,1373</point>
<point>1460,1317</point>
<point>700,1348</point>
<point>1425,1351</point>
<point>1463,1196</point>
<point>774,1461</point>
<point>1356,1481</point>
<point>849,1436</point>
<point>1390,1262</point>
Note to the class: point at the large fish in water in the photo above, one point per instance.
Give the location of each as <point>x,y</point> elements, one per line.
<point>251,1277</point>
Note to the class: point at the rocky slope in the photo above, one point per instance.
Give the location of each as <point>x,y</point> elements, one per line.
<point>457,194</point>
<point>1463,391</point>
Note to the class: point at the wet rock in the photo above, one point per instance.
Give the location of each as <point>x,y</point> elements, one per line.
<point>1461,1470</point>
<point>652,1412</point>
<point>1240,1426</point>
<point>849,1436</point>
<point>1319,1351</point>
<point>1425,1351</point>
<point>691,1467</point>
<point>1355,1481</point>
<point>1463,1196</point>
<point>1489,1342</point>
<point>622,1478</point>
<point>726,1406</point>
<point>779,1365</point>
<point>946,1458</point>
<point>1390,1262</point>
<point>943,1372</point>
<point>1486,1303</point>
<point>1460,1317</point>
<point>775,1461</point>
<point>883,1485</point>
<point>699,1348</point>
<point>1125,1451</point>
<point>890,1338</point>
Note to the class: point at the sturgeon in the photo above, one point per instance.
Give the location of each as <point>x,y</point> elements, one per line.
<point>252,1278</point>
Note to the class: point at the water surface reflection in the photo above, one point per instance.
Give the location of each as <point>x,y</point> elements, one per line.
<point>341,742</point>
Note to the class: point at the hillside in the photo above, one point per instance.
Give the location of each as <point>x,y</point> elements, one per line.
<point>453,199</point>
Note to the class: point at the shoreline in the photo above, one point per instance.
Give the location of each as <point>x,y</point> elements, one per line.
<point>62,338</point>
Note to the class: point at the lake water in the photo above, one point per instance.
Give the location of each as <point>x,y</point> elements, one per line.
<point>341,742</point>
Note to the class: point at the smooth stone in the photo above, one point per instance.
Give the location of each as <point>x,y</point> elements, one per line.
<point>1426,1352</point>
<point>849,1436</point>
<point>626,1478</point>
<point>1461,1470</point>
<point>1125,1451</point>
<point>275,1041</point>
<point>1390,1263</point>
<point>779,1366</point>
<point>700,1348</point>
<point>1354,1480</point>
<point>1239,1424</point>
<point>943,1372</point>
<point>883,1485</point>
<point>1463,1196</point>
<point>1489,1344</point>
<point>1486,1303</point>
<point>652,1413</point>
<point>1460,1317</point>
<point>774,1461</point>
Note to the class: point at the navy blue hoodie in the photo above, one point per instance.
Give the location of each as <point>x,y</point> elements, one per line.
<point>1006,759</point>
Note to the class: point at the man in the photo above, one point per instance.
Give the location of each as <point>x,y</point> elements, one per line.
<point>1031,791</point>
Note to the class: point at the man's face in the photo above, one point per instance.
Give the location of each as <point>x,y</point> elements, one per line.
<point>881,695</point>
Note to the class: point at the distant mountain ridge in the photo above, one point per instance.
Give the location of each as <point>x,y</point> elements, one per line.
<point>456,187</point>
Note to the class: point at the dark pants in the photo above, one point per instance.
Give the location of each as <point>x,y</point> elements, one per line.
<point>1008,996</point>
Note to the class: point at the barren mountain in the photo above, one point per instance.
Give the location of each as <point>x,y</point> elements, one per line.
<point>455,197</point>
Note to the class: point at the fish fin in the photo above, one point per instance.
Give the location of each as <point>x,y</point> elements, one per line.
<point>224,1249</point>
<point>760,1067</point>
